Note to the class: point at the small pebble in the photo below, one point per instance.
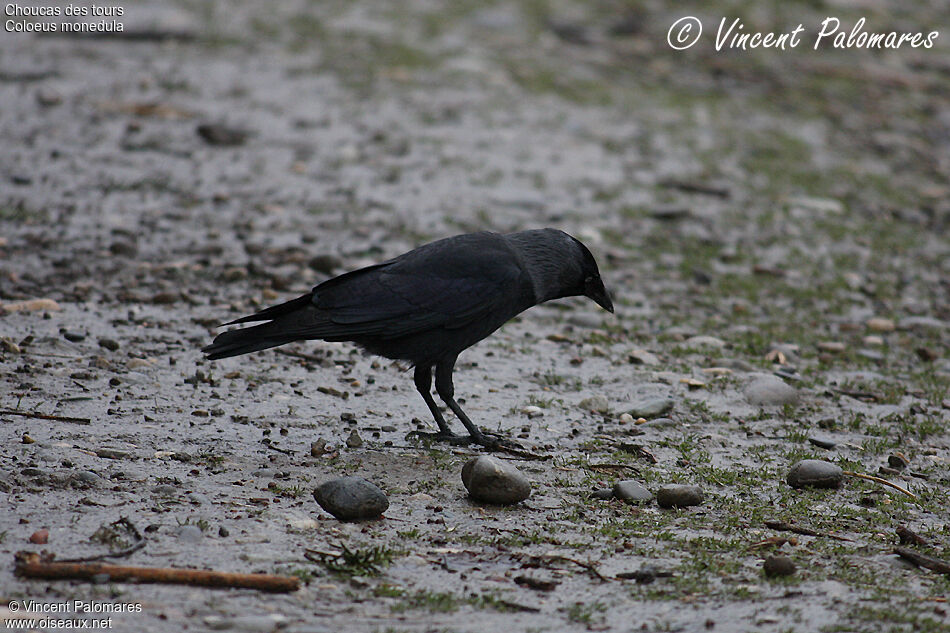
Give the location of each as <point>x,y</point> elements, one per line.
<point>325,264</point>
<point>532,411</point>
<point>603,494</point>
<point>493,481</point>
<point>778,565</point>
<point>40,537</point>
<point>626,418</point>
<point>632,491</point>
<point>87,477</point>
<point>74,337</point>
<point>109,344</point>
<point>651,408</point>
<point>769,390</point>
<point>815,473</point>
<point>221,135</point>
<point>224,532</point>
<point>26,439</point>
<point>656,423</point>
<point>318,448</point>
<point>822,443</point>
<point>354,440</point>
<point>7,345</point>
<point>878,324</point>
<point>695,342</point>
<point>871,354</point>
<point>32,305</point>
<point>679,496</point>
<point>643,357</point>
<point>111,453</point>
<point>835,347</point>
<point>898,461</point>
<point>164,489</point>
<point>189,533</point>
<point>597,404</point>
<point>351,498</point>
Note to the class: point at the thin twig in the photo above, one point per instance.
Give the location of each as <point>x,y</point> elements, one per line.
<point>285,451</point>
<point>857,395</point>
<point>91,559</point>
<point>588,566</point>
<point>30,565</point>
<point>929,562</point>
<point>881,481</point>
<point>124,522</point>
<point>908,537</point>
<point>45,416</point>
<point>788,527</point>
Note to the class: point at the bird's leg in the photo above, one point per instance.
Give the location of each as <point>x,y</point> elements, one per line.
<point>446,391</point>
<point>423,380</point>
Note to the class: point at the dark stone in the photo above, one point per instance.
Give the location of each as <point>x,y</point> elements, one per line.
<point>778,565</point>
<point>815,473</point>
<point>632,491</point>
<point>493,481</point>
<point>351,498</point>
<point>679,496</point>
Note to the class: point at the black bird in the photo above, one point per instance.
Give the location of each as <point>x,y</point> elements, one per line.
<point>428,305</point>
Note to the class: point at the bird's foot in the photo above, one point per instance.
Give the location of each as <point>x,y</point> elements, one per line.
<point>493,442</point>
<point>441,436</point>
<point>499,443</point>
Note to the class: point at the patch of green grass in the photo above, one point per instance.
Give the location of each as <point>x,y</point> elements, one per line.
<point>201,524</point>
<point>431,601</point>
<point>587,613</point>
<point>358,562</point>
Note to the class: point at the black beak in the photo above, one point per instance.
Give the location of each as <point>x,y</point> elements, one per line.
<point>596,291</point>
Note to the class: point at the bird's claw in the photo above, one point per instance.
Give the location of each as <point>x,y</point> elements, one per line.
<point>492,442</point>
<point>439,436</point>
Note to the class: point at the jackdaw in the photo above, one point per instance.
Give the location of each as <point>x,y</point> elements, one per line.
<point>428,305</point>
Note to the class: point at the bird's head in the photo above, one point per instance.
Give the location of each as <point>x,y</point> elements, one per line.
<point>595,290</point>
<point>560,266</point>
<point>593,285</point>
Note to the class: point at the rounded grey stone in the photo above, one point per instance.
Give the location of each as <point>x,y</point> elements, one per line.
<point>769,390</point>
<point>189,533</point>
<point>651,408</point>
<point>602,493</point>
<point>679,496</point>
<point>165,489</point>
<point>778,565</point>
<point>632,491</point>
<point>493,481</point>
<point>87,477</point>
<point>816,473</point>
<point>351,498</point>
<point>821,442</point>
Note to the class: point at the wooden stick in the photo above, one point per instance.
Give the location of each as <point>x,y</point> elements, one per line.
<point>44,416</point>
<point>881,481</point>
<point>29,565</point>
<point>788,527</point>
<point>933,564</point>
<point>908,537</point>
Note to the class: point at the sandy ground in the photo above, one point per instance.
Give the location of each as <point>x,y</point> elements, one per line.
<point>753,211</point>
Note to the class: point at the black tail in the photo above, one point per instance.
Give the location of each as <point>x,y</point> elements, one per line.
<point>288,322</point>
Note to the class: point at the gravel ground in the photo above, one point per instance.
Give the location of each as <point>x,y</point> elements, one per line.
<point>773,225</point>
